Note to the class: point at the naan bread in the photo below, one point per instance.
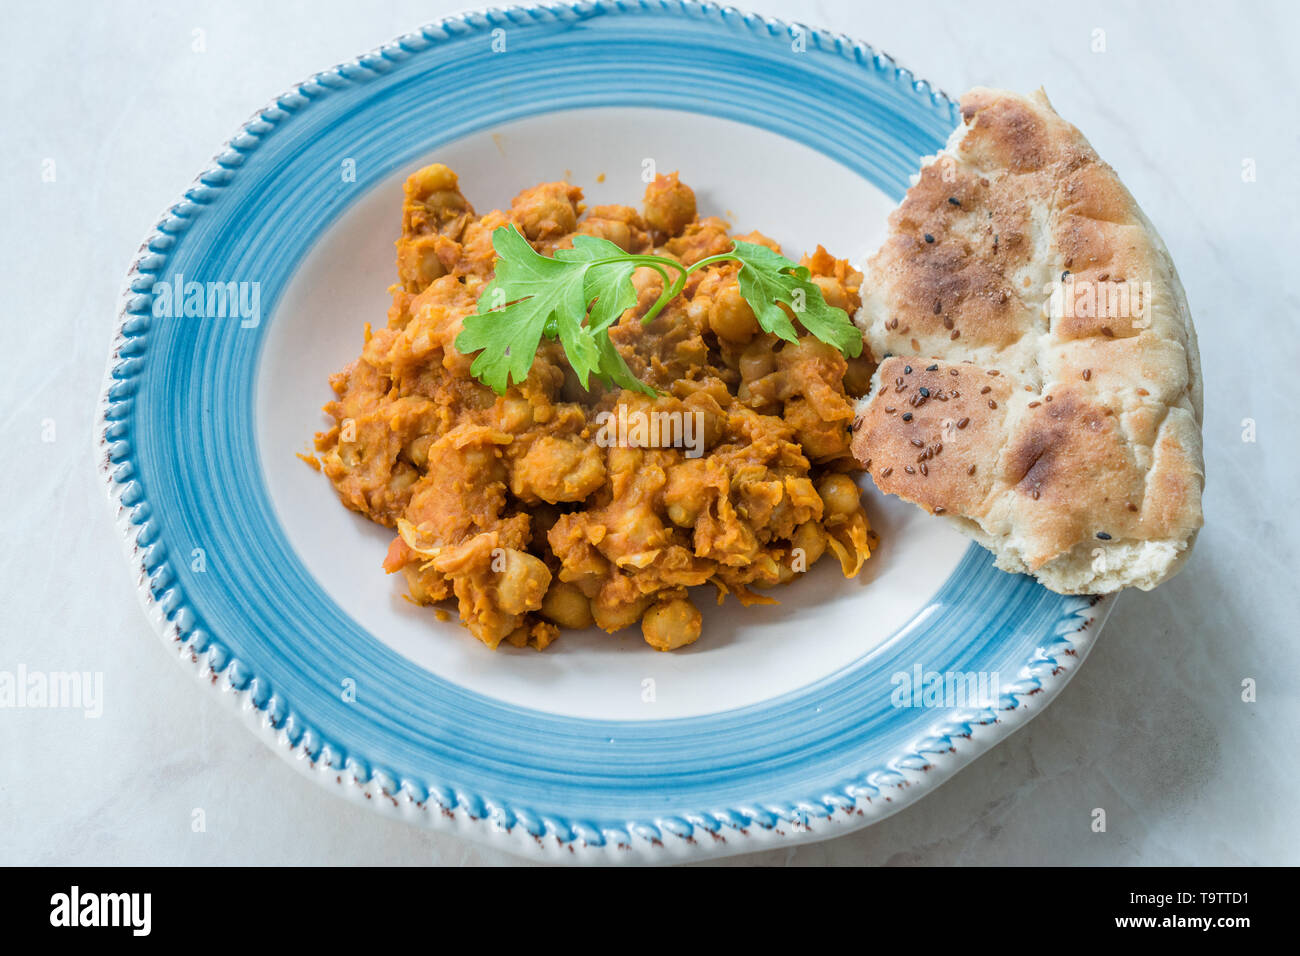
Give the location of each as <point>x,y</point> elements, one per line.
<point>1043,390</point>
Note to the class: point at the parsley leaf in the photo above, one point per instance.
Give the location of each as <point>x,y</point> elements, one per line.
<point>514,308</point>
<point>767,278</point>
<point>608,283</point>
<point>615,371</point>
<point>579,293</point>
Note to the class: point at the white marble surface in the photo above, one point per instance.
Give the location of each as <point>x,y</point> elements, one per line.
<point>1153,729</point>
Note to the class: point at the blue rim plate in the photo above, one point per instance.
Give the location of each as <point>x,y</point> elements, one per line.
<point>177,447</point>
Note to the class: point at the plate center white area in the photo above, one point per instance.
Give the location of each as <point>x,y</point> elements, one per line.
<point>752,178</point>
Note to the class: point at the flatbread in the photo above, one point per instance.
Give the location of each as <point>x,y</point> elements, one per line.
<point>1040,386</point>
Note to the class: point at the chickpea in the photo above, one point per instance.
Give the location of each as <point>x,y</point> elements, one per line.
<point>417,450</point>
<point>832,292</point>
<point>697,309</point>
<point>762,394</point>
<point>669,205</point>
<point>546,211</point>
<point>839,494</point>
<point>619,233</point>
<point>432,179</point>
<point>402,477</point>
<point>769,572</point>
<point>426,586</point>
<point>671,624</point>
<point>757,360</point>
<point>682,515</point>
<point>730,316</point>
<point>648,285</point>
<point>522,582</point>
<point>810,538</point>
<point>515,413</point>
<point>682,497</point>
<point>419,264</point>
<point>558,469</point>
<point>709,417</point>
<point>567,606</point>
<point>433,205</point>
<point>822,440</point>
<point>614,616</point>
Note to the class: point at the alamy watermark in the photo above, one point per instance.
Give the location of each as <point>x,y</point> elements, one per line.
<point>1101,298</point>
<point>40,690</point>
<point>128,910</point>
<point>922,688</point>
<point>209,300</point>
<point>633,428</point>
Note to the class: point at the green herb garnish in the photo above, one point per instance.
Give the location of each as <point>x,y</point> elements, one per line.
<point>577,295</point>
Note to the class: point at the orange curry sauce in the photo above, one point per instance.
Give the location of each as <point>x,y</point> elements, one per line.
<point>513,507</point>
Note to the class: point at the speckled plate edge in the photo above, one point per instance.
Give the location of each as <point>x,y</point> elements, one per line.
<point>946,750</point>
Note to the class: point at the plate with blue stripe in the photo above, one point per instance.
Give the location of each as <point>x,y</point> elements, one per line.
<point>795,722</point>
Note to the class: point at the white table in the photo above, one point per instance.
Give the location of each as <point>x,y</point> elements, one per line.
<point>1153,729</point>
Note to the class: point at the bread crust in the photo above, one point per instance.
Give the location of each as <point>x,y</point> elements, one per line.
<point>1043,390</point>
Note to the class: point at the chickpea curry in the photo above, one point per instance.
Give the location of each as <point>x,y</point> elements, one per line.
<point>513,499</point>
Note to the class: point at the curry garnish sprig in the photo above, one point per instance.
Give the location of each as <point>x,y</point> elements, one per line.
<point>580,292</point>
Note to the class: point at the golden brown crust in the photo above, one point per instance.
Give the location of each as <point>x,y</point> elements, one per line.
<point>1020,262</point>
<point>928,435</point>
